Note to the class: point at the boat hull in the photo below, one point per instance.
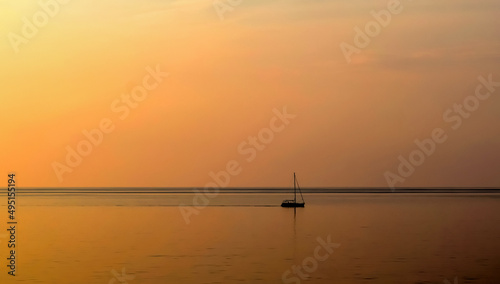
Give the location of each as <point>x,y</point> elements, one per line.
<point>291,204</point>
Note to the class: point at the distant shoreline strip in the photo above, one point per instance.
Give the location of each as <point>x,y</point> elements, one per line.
<point>121,190</point>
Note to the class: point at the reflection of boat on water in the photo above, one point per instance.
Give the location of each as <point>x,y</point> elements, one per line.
<point>293,202</point>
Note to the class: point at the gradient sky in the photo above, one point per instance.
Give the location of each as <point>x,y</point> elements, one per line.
<point>226,77</point>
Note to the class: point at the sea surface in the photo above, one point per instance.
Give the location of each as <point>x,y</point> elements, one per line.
<point>138,238</point>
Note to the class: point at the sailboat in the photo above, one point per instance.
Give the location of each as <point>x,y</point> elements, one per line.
<point>293,202</point>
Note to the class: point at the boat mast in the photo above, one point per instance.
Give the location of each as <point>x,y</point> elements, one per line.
<point>294,189</point>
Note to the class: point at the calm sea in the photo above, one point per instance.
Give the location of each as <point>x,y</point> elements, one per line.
<point>247,237</point>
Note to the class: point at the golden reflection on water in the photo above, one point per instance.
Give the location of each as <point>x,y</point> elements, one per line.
<point>384,239</point>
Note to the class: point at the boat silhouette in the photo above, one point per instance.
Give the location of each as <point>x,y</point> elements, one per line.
<point>293,202</point>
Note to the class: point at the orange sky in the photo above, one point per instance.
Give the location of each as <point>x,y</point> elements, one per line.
<point>225,78</point>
